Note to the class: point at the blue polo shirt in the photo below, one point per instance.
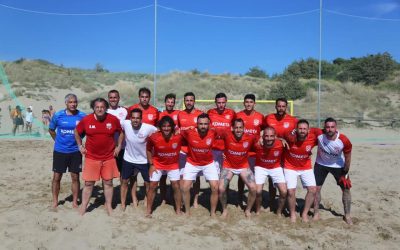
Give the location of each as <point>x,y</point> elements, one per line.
<point>64,126</point>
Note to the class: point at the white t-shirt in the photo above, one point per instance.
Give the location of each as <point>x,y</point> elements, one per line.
<point>29,117</point>
<point>136,141</point>
<point>121,113</point>
<point>330,152</point>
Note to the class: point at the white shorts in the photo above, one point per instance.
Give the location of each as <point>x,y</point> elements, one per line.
<point>182,162</point>
<point>276,175</point>
<point>218,158</point>
<point>306,176</point>
<point>173,175</point>
<point>236,171</point>
<point>209,171</point>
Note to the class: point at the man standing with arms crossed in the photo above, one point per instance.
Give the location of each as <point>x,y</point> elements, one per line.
<point>237,147</point>
<point>253,123</point>
<point>200,159</point>
<point>100,150</point>
<point>66,152</point>
<point>334,156</point>
<point>297,162</point>
<point>283,123</point>
<point>187,119</point>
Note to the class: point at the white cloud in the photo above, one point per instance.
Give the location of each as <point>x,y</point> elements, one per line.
<point>385,8</point>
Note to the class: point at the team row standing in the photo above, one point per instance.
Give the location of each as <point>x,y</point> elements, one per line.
<point>203,141</point>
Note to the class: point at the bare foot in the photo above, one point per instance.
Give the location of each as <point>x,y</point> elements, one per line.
<point>224,214</point>
<point>54,205</point>
<point>195,203</point>
<point>75,205</point>
<point>109,211</point>
<point>247,213</point>
<point>213,215</point>
<point>178,212</point>
<point>348,220</point>
<point>123,208</point>
<point>187,214</point>
<point>147,215</point>
<point>258,212</point>
<point>304,218</point>
<point>135,202</point>
<point>316,217</point>
<point>293,218</point>
<point>82,210</point>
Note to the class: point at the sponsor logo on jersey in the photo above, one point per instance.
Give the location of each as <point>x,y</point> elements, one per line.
<point>285,124</point>
<point>227,117</point>
<point>92,126</point>
<point>175,117</point>
<point>276,153</point>
<point>150,116</point>
<point>256,122</point>
<point>195,120</point>
<point>245,144</point>
<point>308,148</point>
<point>109,126</point>
<point>174,145</point>
<point>208,141</point>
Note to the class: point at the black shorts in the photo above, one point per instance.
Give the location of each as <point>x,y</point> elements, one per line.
<point>129,169</point>
<point>321,172</point>
<point>62,161</point>
<point>120,159</point>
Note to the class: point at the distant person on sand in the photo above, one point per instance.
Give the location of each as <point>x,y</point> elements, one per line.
<point>16,116</point>
<point>66,153</point>
<point>28,120</point>
<point>46,118</point>
<point>334,156</point>
<point>51,110</point>
<point>99,150</point>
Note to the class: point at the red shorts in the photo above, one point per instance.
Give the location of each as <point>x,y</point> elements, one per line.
<point>93,169</point>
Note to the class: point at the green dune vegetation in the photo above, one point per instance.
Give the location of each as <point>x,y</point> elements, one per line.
<point>365,88</point>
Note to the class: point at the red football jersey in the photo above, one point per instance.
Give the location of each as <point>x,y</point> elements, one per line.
<point>173,114</point>
<point>165,153</point>
<point>269,157</point>
<point>99,136</point>
<point>149,115</point>
<point>221,123</point>
<point>199,149</point>
<point>298,157</point>
<point>253,123</point>
<point>236,152</point>
<point>188,120</point>
<point>283,126</point>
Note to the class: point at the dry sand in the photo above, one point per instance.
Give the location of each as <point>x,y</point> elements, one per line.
<point>27,222</point>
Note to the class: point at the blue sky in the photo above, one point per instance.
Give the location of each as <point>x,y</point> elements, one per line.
<point>125,41</point>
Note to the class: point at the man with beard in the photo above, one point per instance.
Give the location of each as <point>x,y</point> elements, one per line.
<point>149,113</point>
<point>100,150</point>
<point>163,153</point>
<point>200,160</point>
<point>237,147</point>
<point>282,123</point>
<point>169,102</point>
<point>253,123</point>
<point>135,160</point>
<point>297,162</point>
<point>187,119</point>
<point>268,164</point>
<point>334,156</point>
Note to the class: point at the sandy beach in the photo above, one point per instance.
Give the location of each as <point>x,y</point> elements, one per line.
<point>27,222</point>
